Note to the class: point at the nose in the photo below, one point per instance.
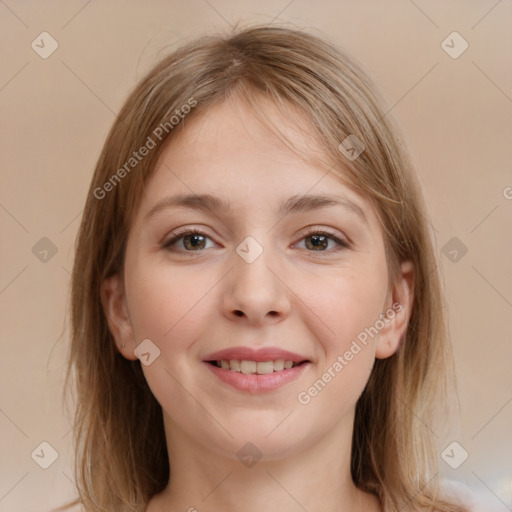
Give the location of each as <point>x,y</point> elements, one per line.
<point>256,291</point>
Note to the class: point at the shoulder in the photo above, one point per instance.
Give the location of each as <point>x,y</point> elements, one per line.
<point>471,500</point>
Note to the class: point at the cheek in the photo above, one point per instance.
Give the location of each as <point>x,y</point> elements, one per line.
<point>345,303</point>
<point>171,307</point>
<point>165,304</point>
<point>346,353</point>
<point>343,310</point>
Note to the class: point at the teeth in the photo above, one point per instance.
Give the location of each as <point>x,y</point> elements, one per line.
<point>279,365</point>
<point>260,367</point>
<point>248,367</point>
<point>265,367</point>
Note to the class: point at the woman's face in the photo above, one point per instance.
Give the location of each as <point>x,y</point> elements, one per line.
<point>259,281</point>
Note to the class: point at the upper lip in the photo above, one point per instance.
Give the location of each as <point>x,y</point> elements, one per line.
<point>252,354</point>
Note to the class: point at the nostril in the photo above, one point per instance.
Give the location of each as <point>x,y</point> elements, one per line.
<point>238,313</point>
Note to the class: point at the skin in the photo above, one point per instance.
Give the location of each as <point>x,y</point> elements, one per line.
<point>312,302</point>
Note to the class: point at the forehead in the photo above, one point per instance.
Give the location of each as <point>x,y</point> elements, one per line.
<point>229,152</point>
<point>259,130</point>
<point>231,143</point>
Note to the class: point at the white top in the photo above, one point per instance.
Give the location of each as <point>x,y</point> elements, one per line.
<point>476,501</point>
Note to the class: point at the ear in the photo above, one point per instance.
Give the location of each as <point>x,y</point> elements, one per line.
<point>116,312</point>
<point>397,312</point>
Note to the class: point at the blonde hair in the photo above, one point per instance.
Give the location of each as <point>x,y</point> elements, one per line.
<point>121,455</point>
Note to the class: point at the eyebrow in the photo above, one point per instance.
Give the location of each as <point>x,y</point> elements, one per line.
<point>294,204</point>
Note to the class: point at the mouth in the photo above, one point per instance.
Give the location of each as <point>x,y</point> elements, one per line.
<point>252,370</point>
<point>255,377</point>
<point>248,367</point>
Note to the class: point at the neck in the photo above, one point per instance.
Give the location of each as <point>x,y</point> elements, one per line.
<point>315,478</point>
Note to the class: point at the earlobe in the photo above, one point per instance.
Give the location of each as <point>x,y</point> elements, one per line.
<point>398,312</point>
<point>114,306</point>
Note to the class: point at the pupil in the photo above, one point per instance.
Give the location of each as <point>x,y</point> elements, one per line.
<point>318,241</point>
<point>195,238</point>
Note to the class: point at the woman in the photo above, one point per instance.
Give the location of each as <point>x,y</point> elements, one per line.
<point>257,316</point>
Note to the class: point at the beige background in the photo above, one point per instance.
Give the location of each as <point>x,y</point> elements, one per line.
<point>457,119</point>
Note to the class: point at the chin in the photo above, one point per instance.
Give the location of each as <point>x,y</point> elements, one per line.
<point>257,443</point>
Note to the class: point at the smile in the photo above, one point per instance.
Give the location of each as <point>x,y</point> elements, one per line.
<point>251,367</point>
<point>256,376</point>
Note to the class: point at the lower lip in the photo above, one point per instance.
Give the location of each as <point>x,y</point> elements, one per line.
<point>255,383</point>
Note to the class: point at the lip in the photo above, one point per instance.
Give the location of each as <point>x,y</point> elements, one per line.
<point>252,354</point>
<point>255,383</point>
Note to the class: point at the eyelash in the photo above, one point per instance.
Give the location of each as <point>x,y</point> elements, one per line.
<point>342,243</point>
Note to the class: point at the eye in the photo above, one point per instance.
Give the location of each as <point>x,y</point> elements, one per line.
<point>320,241</point>
<point>193,240</point>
